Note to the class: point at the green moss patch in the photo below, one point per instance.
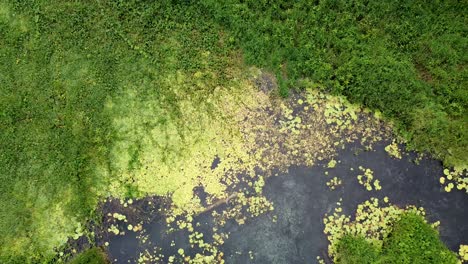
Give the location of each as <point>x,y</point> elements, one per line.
<point>386,235</point>
<point>90,256</point>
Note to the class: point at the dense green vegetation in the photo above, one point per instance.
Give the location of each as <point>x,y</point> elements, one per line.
<point>62,63</point>
<point>90,256</point>
<point>356,250</point>
<point>412,240</point>
<point>406,58</point>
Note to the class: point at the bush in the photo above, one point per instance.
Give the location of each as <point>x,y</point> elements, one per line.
<point>356,250</point>
<point>91,256</point>
<point>412,240</point>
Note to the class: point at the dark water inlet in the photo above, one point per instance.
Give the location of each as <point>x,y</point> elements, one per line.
<point>301,199</point>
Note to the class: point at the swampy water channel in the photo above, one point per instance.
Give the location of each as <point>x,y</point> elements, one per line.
<point>293,231</point>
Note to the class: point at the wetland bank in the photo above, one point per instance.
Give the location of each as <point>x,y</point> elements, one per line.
<point>237,132</point>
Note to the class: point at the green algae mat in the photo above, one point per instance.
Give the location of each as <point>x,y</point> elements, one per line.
<point>125,100</point>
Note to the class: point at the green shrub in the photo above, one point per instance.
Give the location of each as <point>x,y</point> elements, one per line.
<point>412,240</point>
<point>91,256</point>
<point>356,250</point>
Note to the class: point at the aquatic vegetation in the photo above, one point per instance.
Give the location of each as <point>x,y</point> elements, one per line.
<point>128,99</point>
<point>367,179</point>
<point>333,183</point>
<point>390,233</point>
<point>242,135</point>
<point>137,228</point>
<point>151,257</point>
<point>331,164</point>
<point>320,260</point>
<point>210,251</point>
<point>173,158</point>
<point>340,112</point>
<point>463,252</point>
<point>393,150</point>
<point>114,229</point>
<point>91,256</point>
<point>258,185</point>
<point>372,222</point>
<point>78,231</point>
<point>410,67</point>
<point>259,143</point>
<point>120,217</point>
<point>411,240</point>
<point>455,178</point>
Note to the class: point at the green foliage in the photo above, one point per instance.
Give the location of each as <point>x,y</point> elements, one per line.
<point>412,240</point>
<point>356,250</point>
<point>406,59</point>
<point>90,256</point>
<point>61,62</point>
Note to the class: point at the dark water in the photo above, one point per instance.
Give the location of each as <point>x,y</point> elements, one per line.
<point>301,198</point>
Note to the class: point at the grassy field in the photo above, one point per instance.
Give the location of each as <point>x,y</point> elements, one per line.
<point>71,72</point>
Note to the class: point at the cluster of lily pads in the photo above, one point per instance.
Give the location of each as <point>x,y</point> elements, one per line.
<point>463,252</point>
<point>367,179</point>
<point>393,150</point>
<point>333,183</point>
<point>454,178</point>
